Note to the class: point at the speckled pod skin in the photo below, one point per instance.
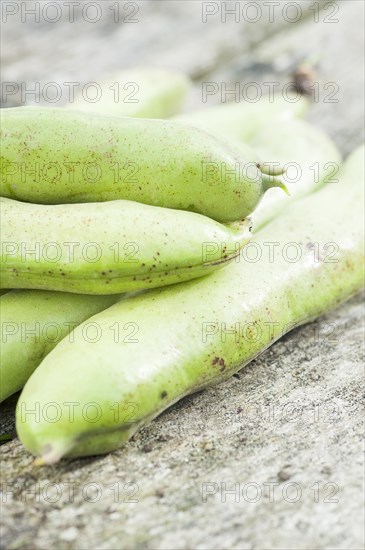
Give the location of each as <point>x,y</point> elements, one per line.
<point>242,120</point>
<point>182,344</point>
<point>110,247</point>
<point>32,323</point>
<point>54,156</point>
<point>144,92</point>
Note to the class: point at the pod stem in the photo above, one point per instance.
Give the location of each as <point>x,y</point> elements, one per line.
<point>268,182</point>
<point>271,169</point>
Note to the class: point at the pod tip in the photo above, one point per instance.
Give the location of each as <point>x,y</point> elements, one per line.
<point>49,456</point>
<point>39,461</point>
<point>47,460</point>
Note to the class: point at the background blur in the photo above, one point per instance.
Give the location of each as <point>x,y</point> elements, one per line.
<point>220,42</point>
<point>284,436</point>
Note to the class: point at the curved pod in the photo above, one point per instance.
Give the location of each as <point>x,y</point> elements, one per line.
<point>54,156</point>
<point>110,247</point>
<point>183,343</point>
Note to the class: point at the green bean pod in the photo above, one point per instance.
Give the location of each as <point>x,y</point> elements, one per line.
<point>32,323</point>
<point>143,92</point>
<point>242,120</point>
<point>110,247</point>
<point>54,156</point>
<point>89,398</point>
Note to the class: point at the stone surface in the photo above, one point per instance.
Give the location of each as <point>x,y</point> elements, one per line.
<point>286,433</point>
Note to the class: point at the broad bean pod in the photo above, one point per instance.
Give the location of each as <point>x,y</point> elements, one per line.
<point>240,121</point>
<point>54,156</point>
<point>198,333</point>
<point>110,247</point>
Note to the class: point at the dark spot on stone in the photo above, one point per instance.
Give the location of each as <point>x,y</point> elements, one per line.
<point>284,473</point>
<point>147,448</point>
<point>326,470</point>
<point>163,438</point>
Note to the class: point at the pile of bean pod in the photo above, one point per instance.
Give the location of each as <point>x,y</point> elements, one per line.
<point>143,259</point>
